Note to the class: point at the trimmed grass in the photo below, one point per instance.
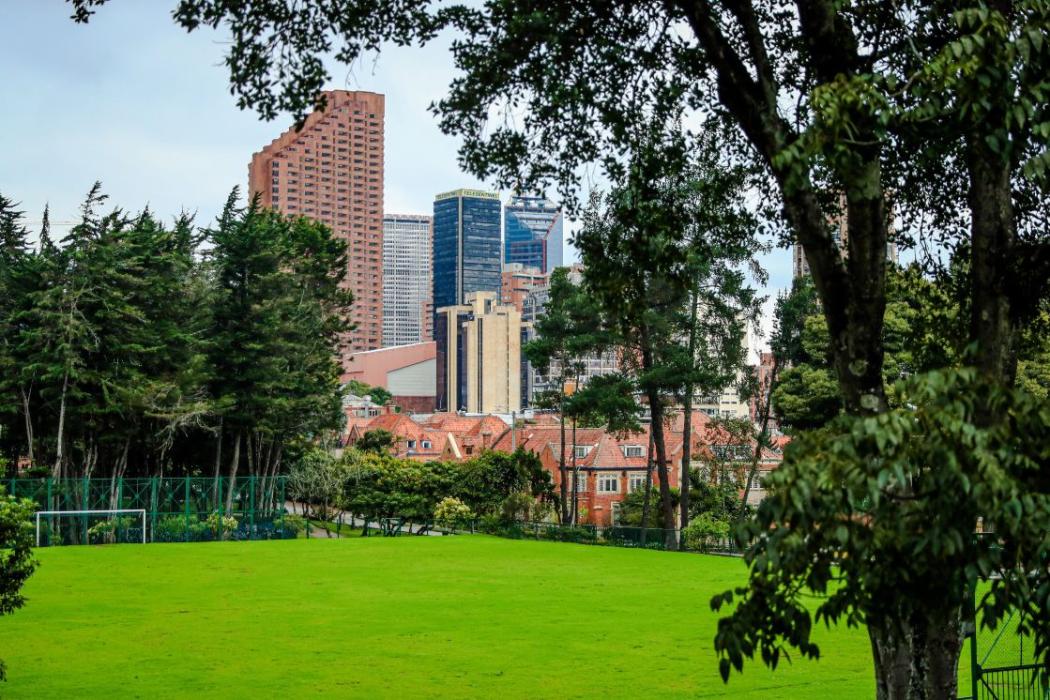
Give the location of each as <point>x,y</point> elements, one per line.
<point>467,616</point>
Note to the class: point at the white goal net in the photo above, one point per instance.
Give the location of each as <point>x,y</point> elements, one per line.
<point>111,526</point>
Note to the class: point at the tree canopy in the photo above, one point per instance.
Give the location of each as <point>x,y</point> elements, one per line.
<point>136,348</point>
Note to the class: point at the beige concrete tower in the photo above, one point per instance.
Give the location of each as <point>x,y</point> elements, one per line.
<point>331,170</point>
<point>479,356</point>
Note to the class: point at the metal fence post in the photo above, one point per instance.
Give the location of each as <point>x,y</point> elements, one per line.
<point>975,671</point>
<point>186,505</point>
<point>85,501</point>
<point>153,505</point>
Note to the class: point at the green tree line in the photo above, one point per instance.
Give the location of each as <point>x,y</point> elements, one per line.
<point>372,484</point>
<point>131,347</point>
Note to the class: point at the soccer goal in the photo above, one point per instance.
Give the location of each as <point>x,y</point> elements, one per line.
<point>91,526</point>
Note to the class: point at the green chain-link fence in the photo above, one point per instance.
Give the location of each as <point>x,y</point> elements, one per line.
<point>1000,664</point>
<point>177,509</point>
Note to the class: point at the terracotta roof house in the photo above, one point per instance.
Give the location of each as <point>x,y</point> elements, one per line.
<point>608,466</point>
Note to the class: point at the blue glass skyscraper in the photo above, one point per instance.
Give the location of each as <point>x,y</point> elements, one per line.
<point>466,245</point>
<point>532,228</point>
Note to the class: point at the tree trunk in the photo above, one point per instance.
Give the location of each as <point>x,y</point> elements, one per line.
<point>118,473</point>
<point>215,495</point>
<point>575,480</point>
<point>234,463</point>
<point>648,487</point>
<point>29,425</point>
<point>687,444</point>
<point>656,417</point>
<point>763,433</point>
<point>687,416</point>
<point>994,237</point>
<point>656,413</point>
<point>561,464</point>
<point>56,471</point>
<point>917,657</point>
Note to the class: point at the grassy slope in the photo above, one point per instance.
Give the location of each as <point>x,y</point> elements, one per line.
<point>408,617</point>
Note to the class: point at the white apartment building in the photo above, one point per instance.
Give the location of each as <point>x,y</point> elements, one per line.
<point>407,246</point>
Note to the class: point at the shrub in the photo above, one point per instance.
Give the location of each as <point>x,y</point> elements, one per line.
<point>541,511</point>
<point>16,543</point>
<point>703,531</point>
<point>517,506</point>
<point>452,513</point>
<point>221,526</point>
<point>491,525</point>
<point>107,531</point>
<point>289,525</point>
<point>170,529</point>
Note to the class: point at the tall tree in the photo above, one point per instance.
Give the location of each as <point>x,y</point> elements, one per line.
<point>664,257</point>
<point>278,313</point>
<point>123,349</point>
<point>566,334</point>
<point>14,259</point>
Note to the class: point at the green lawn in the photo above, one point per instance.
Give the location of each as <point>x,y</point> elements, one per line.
<point>402,617</point>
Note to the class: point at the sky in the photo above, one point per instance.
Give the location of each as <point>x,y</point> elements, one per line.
<point>135,102</point>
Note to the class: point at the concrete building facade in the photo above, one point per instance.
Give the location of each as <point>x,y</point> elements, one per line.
<point>532,233</point>
<point>478,356</point>
<point>519,281</point>
<point>331,170</point>
<point>534,382</point>
<point>406,371</point>
<point>407,272</point>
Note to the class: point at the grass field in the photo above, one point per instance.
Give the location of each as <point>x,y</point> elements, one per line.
<point>391,617</point>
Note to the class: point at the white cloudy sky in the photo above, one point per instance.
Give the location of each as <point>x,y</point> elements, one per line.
<point>137,103</point>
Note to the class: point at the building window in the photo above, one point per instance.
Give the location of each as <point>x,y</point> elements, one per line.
<point>581,482</point>
<point>633,451</point>
<point>582,450</point>
<point>636,481</point>
<point>427,444</point>
<point>608,483</point>
<point>411,444</point>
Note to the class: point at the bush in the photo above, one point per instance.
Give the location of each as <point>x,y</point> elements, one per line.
<point>173,528</point>
<point>221,526</point>
<point>541,511</point>
<point>108,531</point>
<point>703,531</point>
<point>491,525</point>
<point>569,533</point>
<point>289,526</point>
<point>452,513</point>
<point>16,543</point>
<point>516,507</point>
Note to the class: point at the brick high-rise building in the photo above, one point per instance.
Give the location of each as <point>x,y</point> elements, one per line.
<point>331,170</point>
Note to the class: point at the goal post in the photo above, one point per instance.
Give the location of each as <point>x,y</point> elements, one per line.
<point>140,512</point>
